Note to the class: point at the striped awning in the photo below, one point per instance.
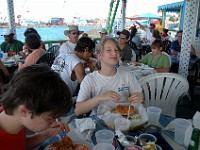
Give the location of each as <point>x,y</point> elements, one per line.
<point>173,7</point>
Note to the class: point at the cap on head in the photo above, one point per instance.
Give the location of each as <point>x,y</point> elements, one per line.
<point>125,32</point>
<point>72,28</point>
<point>8,32</point>
<point>103,30</point>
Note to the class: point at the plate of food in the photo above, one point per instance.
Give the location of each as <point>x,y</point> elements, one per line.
<point>138,115</point>
<point>67,143</point>
<point>70,142</point>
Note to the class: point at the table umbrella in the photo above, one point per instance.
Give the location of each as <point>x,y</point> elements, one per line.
<point>148,16</point>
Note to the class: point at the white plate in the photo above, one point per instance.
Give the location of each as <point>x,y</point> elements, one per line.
<point>108,117</point>
<point>77,139</point>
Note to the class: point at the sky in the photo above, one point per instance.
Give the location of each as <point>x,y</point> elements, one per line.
<point>43,10</point>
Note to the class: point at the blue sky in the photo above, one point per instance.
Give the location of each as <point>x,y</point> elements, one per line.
<point>46,9</point>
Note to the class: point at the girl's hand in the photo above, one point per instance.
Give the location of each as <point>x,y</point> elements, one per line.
<point>136,98</point>
<point>110,95</point>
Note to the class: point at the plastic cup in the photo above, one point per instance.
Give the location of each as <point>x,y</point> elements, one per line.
<point>17,58</point>
<point>87,70</point>
<point>104,136</point>
<point>181,125</point>
<point>5,55</point>
<point>104,146</point>
<point>153,115</point>
<point>122,124</point>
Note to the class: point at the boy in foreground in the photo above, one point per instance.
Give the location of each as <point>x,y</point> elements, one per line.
<point>35,97</point>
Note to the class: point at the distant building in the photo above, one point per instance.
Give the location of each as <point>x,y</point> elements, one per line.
<point>57,21</point>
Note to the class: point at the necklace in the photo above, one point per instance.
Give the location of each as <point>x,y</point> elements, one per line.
<point>10,47</point>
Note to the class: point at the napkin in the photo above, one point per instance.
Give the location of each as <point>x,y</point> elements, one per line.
<point>85,124</point>
<point>170,126</point>
<point>196,120</point>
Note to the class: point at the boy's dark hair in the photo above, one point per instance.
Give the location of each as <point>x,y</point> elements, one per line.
<point>31,30</point>
<point>180,31</point>
<point>33,41</point>
<point>40,90</point>
<point>84,42</point>
<point>157,44</point>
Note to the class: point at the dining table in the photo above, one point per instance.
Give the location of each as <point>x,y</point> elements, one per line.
<point>165,138</point>
<point>11,63</point>
<point>139,71</point>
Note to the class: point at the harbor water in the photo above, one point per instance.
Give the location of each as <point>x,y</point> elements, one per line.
<point>46,33</point>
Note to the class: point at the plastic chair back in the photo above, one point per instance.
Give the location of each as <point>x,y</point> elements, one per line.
<point>164,90</point>
<point>170,61</point>
<point>45,59</point>
<point>54,51</point>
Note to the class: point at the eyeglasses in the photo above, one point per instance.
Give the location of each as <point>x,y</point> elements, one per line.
<point>77,33</point>
<point>123,38</point>
<point>49,120</point>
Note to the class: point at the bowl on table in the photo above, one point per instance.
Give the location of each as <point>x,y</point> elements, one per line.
<point>145,138</point>
<point>129,141</point>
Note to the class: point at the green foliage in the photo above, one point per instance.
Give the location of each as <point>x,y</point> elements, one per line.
<point>173,19</point>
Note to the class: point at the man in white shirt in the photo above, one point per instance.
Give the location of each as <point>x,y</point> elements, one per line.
<point>70,67</point>
<point>73,34</point>
<point>147,38</point>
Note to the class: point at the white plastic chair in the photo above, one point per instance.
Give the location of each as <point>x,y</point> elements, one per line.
<point>168,57</point>
<point>164,90</point>
<point>133,59</point>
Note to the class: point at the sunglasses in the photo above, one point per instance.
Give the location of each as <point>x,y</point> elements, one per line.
<point>123,38</point>
<point>77,33</point>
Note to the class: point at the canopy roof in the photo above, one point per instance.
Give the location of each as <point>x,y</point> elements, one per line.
<point>173,7</point>
<point>148,16</point>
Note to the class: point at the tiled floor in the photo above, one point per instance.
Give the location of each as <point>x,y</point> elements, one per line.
<point>185,110</point>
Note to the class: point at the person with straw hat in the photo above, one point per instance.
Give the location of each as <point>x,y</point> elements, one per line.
<point>73,34</point>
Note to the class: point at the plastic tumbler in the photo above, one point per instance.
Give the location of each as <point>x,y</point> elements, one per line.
<point>122,124</point>
<point>153,115</point>
<point>104,136</point>
<point>104,146</point>
<point>181,125</point>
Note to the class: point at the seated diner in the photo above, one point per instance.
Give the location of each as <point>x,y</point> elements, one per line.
<point>108,81</point>
<point>156,59</point>
<point>33,42</point>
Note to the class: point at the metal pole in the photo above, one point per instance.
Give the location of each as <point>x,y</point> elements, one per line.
<point>114,14</point>
<point>109,15</point>
<point>163,17</point>
<point>180,22</point>
<point>187,36</point>
<point>11,15</point>
<point>124,13</point>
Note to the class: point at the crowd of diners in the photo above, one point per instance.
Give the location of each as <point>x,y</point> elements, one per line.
<point>38,94</point>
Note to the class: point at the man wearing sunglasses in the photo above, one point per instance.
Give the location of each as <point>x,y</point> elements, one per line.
<point>10,44</point>
<point>126,53</point>
<point>147,38</point>
<point>73,34</point>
